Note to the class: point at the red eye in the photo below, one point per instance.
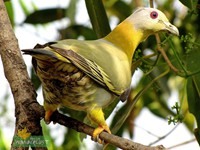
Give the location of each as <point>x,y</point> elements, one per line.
<point>154,15</point>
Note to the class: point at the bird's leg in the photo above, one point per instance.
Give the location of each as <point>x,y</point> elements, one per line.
<point>97,116</point>
<point>47,116</point>
<point>49,109</point>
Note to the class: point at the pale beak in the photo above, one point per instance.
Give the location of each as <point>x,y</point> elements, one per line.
<point>171,28</point>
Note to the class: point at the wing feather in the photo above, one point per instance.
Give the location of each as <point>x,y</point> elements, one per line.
<point>89,67</point>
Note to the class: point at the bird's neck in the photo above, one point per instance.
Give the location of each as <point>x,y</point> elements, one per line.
<point>126,38</point>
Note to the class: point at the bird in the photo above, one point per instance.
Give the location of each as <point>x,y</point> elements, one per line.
<point>88,75</point>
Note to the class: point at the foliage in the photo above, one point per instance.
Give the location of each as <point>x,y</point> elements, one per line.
<point>178,117</point>
<point>154,88</point>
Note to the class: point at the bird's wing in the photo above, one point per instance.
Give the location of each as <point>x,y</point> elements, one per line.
<point>89,67</point>
<point>52,52</point>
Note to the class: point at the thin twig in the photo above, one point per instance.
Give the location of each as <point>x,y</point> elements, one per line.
<point>164,136</point>
<point>151,3</point>
<point>147,131</point>
<point>160,49</point>
<point>177,58</point>
<point>181,144</point>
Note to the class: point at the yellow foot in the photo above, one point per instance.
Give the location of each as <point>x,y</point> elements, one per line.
<point>98,131</point>
<point>96,115</point>
<point>48,116</point>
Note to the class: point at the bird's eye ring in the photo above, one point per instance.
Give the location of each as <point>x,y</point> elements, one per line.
<point>154,15</point>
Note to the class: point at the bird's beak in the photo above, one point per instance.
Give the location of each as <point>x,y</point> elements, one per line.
<point>171,28</point>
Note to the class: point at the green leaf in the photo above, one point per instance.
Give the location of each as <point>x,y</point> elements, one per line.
<point>24,7</point>
<point>121,9</point>
<point>193,94</point>
<point>74,31</point>
<point>3,145</point>
<point>189,3</point>
<point>193,86</point>
<point>50,142</point>
<point>45,16</point>
<point>72,140</point>
<point>71,11</point>
<point>98,17</point>
<point>9,8</point>
<point>157,109</point>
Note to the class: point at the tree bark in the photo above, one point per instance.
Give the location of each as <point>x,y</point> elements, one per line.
<point>24,95</point>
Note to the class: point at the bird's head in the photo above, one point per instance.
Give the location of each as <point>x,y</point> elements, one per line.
<point>150,20</point>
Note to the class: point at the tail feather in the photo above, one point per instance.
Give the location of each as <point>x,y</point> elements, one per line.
<point>39,53</point>
<point>43,54</point>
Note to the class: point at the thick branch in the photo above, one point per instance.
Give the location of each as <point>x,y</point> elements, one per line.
<point>17,76</point>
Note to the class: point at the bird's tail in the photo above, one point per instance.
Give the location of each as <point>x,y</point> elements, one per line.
<point>41,54</point>
<point>45,54</point>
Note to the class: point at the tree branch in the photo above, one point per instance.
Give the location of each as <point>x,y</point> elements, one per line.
<point>117,141</point>
<point>17,76</point>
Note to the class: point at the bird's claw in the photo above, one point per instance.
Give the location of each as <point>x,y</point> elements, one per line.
<point>98,131</point>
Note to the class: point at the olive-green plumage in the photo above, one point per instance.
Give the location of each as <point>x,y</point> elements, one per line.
<point>88,75</point>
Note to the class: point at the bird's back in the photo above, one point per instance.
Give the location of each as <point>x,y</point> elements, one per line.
<point>109,59</point>
<point>68,83</point>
